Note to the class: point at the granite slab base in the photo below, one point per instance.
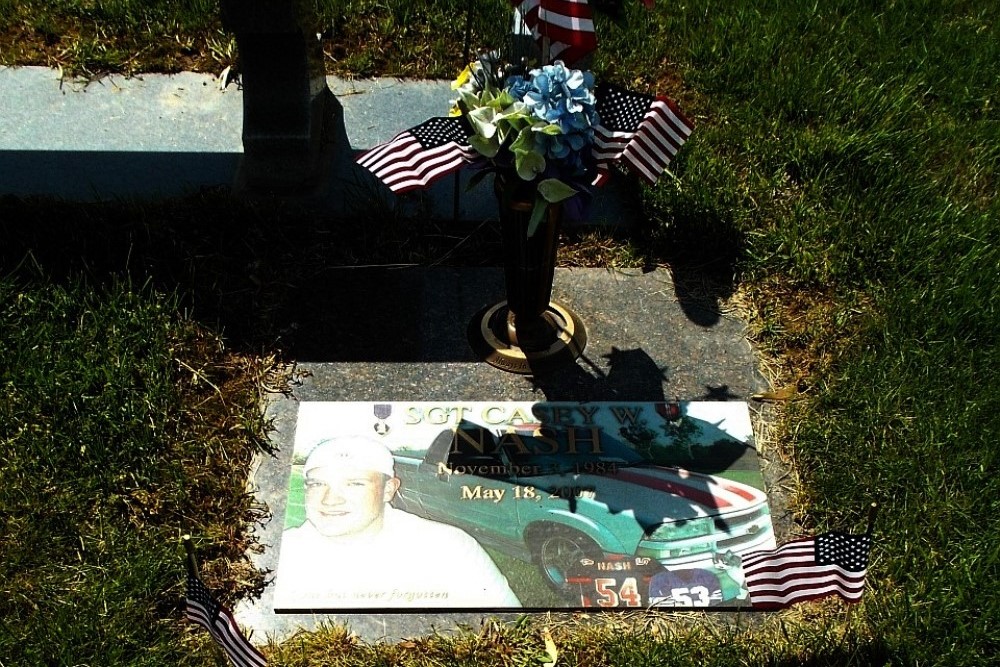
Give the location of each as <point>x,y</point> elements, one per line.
<point>165,135</point>
<point>400,334</point>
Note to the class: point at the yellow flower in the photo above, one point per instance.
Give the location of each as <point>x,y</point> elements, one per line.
<point>463,78</point>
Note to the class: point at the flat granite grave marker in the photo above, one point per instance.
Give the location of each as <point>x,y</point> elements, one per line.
<point>508,505</point>
<point>391,337</point>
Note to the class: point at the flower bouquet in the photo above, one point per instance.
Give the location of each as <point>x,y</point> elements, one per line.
<point>534,128</point>
<point>548,135</point>
<point>535,131</point>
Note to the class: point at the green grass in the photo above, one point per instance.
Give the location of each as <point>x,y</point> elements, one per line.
<point>364,37</point>
<point>103,464</point>
<point>94,37</point>
<point>81,388</point>
<point>843,174</point>
<point>853,153</point>
<point>403,38</point>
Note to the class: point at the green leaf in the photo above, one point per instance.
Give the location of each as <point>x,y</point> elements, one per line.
<point>524,143</point>
<point>529,165</point>
<point>547,128</point>
<point>505,100</point>
<point>528,162</point>
<point>483,121</point>
<point>485,147</point>
<point>469,99</point>
<point>514,115</point>
<point>537,214</point>
<point>553,190</point>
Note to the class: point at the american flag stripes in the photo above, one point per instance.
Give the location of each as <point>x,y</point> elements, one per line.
<point>807,569</point>
<point>641,131</point>
<point>419,156</point>
<point>201,608</point>
<point>568,25</point>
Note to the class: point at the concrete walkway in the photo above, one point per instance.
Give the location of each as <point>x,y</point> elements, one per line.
<point>158,135</point>
<point>161,135</point>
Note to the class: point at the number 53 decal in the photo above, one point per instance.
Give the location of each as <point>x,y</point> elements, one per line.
<point>695,596</point>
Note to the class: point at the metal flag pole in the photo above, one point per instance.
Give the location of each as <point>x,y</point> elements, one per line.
<point>466,48</point>
<point>869,529</point>
<point>872,513</point>
<point>468,33</point>
<point>543,24</point>
<point>192,560</point>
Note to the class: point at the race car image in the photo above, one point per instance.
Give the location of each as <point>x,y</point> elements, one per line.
<point>514,505</point>
<point>559,495</point>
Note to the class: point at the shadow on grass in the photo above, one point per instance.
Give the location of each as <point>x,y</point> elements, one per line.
<point>278,275</point>
<point>266,273</point>
<point>700,242</point>
<point>870,652</point>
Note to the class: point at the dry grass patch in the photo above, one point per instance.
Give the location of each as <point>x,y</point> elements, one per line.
<point>820,633</point>
<point>799,332</point>
<point>222,420</point>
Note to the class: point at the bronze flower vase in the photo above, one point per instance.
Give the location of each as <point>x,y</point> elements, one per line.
<point>527,333</point>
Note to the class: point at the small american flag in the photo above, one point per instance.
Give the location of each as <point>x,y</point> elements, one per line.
<point>419,156</point>
<point>641,131</point>
<point>807,569</point>
<point>201,608</point>
<point>568,25</point>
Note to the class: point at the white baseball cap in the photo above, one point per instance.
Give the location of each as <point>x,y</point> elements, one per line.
<point>352,452</point>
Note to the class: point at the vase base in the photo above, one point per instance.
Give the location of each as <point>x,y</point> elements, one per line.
<point>490,340</point>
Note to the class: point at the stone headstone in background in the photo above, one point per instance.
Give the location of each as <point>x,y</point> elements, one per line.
<point>286,102</point>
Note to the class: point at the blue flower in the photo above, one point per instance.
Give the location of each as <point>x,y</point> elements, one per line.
<point>563,102</point>
<point>518,86</point>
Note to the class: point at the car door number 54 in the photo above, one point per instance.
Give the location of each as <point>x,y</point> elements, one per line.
<point>627,594</point>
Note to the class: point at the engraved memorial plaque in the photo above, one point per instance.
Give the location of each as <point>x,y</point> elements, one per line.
<point>508,505</point>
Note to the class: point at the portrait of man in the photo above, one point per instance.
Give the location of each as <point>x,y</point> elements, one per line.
<point>356,550</point>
